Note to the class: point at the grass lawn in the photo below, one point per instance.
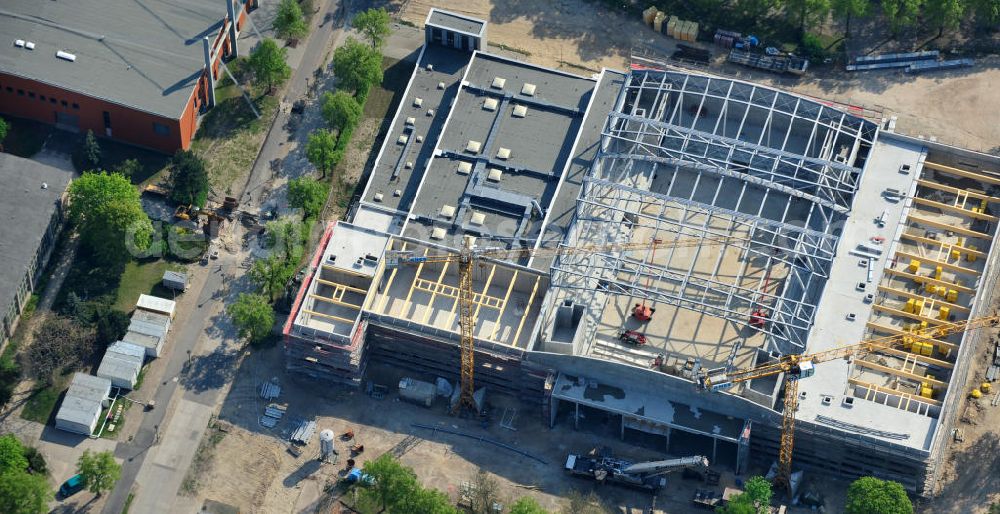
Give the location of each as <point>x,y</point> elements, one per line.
<point>230,136</point>
<point>107,434</point>
<point>385,98</point>
<point>142,277</point>
<point>40,405</point>
<point>25,137</point>
<point>153,163</point>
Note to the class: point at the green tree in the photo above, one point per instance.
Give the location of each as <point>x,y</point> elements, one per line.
<point>3,131</point>
<point>987,11</point>
<point>106,212</point>
<point>849,9</point>
<point>98,470</point>
<point>111,324</point>
<point>307,194</point>
<point>188,178</point>
<point>271,275</point>
<point>36,461</point>
<point>12,457</point>
<point>91,151</point>
<point>59,343</point>
<point>10,375</point>
<point>374,24</point>
<point>340,110</point>
<point>527,505</point>
<point>253,316</point>
<point>129,168</point>
<point>289,22</point>
<point>267,64</point>
<point>739,504</point>
<point>287,239</point>
<point>901,14</point>
<point>357,66</point>
<point>758,489</point>
<point>394,482</point>
<point>426,501</point>
<point>21,493</point>
<point>945,14</point>
<point>321,150</point>
<point>807,12</point>
<point>870,495</point>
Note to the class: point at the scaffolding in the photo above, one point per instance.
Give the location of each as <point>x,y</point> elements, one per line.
<point>685,155</point>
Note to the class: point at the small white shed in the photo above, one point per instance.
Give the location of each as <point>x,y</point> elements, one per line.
<point>81,407</point>
<point>122,363</point>
<point>156,304</point>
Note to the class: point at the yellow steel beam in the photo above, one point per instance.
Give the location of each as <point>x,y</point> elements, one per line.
<point>337,284</point>
<point>331,316</point>
<point>334,302</point>
<point>895,331</point>
<point>986,179</point>
<point>945,226</point>
<point>957,191</point>
<point>907,294</point>
<point>897,312</point>
<point>886,390</point>
<point>944,246</point>
<point>922,359</point>
<point>911,276</point>
<point>416,277</point>
<point>430,304</point>
<point>527,309</point>
<point>954,208</point>
<point>943,264</point>
<point>388,285</point>
<point>506,298</point>
<point>486,289</point>
<point>899,373</point>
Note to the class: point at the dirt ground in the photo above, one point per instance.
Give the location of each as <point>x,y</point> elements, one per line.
<point>959,107</point>
<point>250,468</point>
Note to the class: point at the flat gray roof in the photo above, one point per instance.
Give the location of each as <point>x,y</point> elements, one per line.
<point>82,402</point>
<point>539,142</point>
<point>450,20</point>
<point>390,173</point>
<point>25,212</point>
<point>144,54</point>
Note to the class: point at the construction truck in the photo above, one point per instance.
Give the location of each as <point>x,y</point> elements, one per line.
<point>604,468</point>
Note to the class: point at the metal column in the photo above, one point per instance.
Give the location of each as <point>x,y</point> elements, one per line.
<point>208,69</point>
<point>233,20</point>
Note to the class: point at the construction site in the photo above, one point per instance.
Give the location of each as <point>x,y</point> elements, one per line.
<point>700,261</point>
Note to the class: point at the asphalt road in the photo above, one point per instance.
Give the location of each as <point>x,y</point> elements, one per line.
<point>198,382</point>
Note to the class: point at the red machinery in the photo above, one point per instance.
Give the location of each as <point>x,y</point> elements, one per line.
<point>632,337</point>
<point>641,312</point>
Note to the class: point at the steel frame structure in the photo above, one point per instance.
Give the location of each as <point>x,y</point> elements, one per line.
<point>772,173</point>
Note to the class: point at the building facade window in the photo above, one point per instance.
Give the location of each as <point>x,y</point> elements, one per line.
<point>10,89</point>
<point>107,119</point>
<point>64,103</point>
<point>41,97</point>
<point>161,129</point>
<point>53,101</point>
<point>31,94</point>
<point>20,92</point>
<point>76,106</point>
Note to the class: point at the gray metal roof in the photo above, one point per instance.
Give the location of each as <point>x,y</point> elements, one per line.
<point>454,21</point>
<point>151,317</point>
<point>121,363</point>
<point>145,54</point>
<point>25,212</point>
<point>82,403</point>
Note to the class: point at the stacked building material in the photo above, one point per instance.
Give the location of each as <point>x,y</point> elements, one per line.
<point>925,66</point>
<point>303,433</point>
<point>886,61</point>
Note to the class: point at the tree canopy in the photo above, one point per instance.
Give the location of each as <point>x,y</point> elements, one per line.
<point>188,178</point>
<point>321,150</point>
<point>98,470</point>
<point>307,194</point>
<point>870,495</point>
<point>91,151</point>
<point>289,22</point>
<point>396,490</point>
<point>253,316</point>
<point>60,343</point>
<point>374,24</point>
<point>267,64</point>
<point>357,66</point>
<point>340,110</point>
<point>527,505</point>
<point>23,493</point>
<point>271,274</point>
<point>12,456</point>
<point>128,168</point>
<point>755,498</point>
<point>106,211</point>
<point>3,131</point>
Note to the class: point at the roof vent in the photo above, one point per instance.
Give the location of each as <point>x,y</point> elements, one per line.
<point>408,165</point>
<point>473,146</point>
<point>378,197</point>
<point>503,153</point>
<point>19,43</point>
<point>66,55</point>
<point>490,104</point>
<point>437,233</point>
<point>494,175</point>
<point>411,120</point>
<point>398,192</point>
<point>498,83</point>
<point>29,45</point>
<point>403,138</point>
<point>464,168</point>
<point>417,102</point>
<point>520,111</point>
<point>528,89</point>
<point>440,85</point>
<point>430,112</point>
<point>478,218</point>
<point>45,185</point>
<point>447,211</point>
<point>420,139</point>
<point>430,67</point>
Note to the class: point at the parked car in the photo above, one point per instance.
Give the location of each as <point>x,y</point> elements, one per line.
<point>72,486</point>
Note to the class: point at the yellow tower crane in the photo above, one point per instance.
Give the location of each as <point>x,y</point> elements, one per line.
<point>467,256</point>
<point>799,366</point>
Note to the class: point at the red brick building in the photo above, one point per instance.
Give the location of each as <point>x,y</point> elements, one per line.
<point>131,70</point>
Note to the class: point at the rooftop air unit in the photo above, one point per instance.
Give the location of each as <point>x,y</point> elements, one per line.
<point>66,56</point>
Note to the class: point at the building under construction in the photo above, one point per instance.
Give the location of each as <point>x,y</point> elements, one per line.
<point>799,226</point>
